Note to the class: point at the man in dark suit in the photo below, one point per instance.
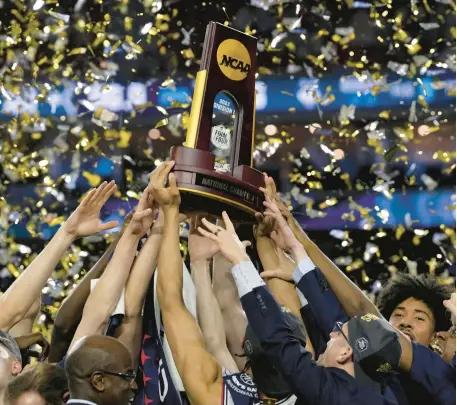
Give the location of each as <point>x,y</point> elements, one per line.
<point>100,372</point>
<point>358,354</point>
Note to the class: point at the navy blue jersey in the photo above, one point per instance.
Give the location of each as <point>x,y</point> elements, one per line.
<point>312,383</point>
<point>238,389</point>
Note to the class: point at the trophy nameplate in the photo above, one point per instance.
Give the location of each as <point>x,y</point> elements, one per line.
<point>214,169</point>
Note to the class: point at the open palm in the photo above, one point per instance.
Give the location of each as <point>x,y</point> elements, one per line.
<point>200,247</point>
<point>85,220</point>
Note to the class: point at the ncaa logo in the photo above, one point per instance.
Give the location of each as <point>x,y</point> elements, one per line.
<point>233,59</point>
<point>361,344</point>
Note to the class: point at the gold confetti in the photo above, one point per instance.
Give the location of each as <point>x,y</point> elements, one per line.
<point>94,180</point>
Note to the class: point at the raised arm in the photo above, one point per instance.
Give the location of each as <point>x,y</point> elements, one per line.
<point>25,326</point>
<point>353,300</point>
<point>199,371</point>
<point>336,278</point>
<point>84,221</point>
<point>209,314</point>
<point>273,259</point>
<point>235,321</point>
<point>70,312</point>
<point>130,330</point>
<point>265,316</point>
<point>103,299</point>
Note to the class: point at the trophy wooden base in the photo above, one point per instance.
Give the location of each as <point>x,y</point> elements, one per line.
<point>203,189</point>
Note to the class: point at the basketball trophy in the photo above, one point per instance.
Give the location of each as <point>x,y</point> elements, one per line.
<point>214,169</point>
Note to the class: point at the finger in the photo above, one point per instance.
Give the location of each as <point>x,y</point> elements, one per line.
<point>272,185</point>
<point>269,213</point>
<point>246,243</point>
<point>164,173</point>
<point>143,203</point>
<point>172,181</point>
<point>228,224</point>
<point>88,197</point>
<point>264,191</point>
<point>276,274</point>
<point>109,225</point>
<point>213,228</point>
<point>107,193</point>
<point>275,237</point>
<point>267,203</point>
<point>271,204</point>
<point>158,170</point>
<point>258,216</point>
<point>207,234</point>
<point>139,215</point>
<point>448,304</point>
<point>98,191</point>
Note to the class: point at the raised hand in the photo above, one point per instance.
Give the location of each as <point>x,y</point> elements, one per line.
<point>264,227</point>
<point>284,235</point>
<point>200,247</point>
<point>143,218</point>
<point>166,197</point>
<point>85,221</point>
<point>270,191</point>
<point>227,240</point>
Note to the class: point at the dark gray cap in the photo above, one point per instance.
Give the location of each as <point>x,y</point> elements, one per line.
<point>376,349</point>
<point>10,343</point>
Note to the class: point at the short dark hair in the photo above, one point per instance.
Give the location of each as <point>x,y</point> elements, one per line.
<point>424,288</point>
<point>47,380</point>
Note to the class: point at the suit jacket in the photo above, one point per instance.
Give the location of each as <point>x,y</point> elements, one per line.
<point>323,303</point>
<point>315,384</point>
<point>431,381</point>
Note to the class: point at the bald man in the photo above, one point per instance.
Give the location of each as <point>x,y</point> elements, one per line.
<point>100,372</point>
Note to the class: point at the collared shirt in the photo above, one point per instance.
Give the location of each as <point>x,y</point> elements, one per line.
<point>80,402</point>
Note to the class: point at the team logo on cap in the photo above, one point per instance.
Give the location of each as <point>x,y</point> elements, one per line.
<point>361,344</point>
<point>385,368</point>
<point>233,59</point>
<point>368,317</point>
